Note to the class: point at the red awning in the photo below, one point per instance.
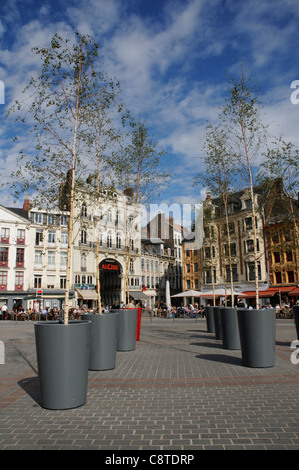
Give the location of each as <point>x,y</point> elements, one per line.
<point>270,291</point>
<point>295,291</point>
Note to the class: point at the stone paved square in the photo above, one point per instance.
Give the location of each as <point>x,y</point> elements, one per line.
<point>179,390</point>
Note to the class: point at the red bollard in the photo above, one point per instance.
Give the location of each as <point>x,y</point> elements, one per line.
<point>138,323</point>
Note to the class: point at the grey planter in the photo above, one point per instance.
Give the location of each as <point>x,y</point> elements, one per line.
<point>218,329</point>
<point>126,329</point>
<point>210,319</point>
<point>296,318</point>
<point>230,328</point>
<point>62,360</point>
<point>257,330</point>
<point>103,340</point>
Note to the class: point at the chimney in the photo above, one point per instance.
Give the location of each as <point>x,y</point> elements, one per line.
<point>26,203</point>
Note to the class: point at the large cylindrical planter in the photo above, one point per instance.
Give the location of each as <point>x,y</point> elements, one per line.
<point>218,329</point>
<point>257,330</point>
<point>296,318</point>
<point>126,329</point>
<point>62,360</point>
<point>210,319</point>
<point>103,341</point>
<point>230,328</point>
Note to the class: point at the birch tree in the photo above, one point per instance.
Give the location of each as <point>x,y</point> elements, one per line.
<point>247,134</point>
<point>136,165</point>
<point>52,110</point>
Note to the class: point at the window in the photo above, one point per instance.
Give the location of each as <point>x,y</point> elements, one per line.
<point>196,284</point>
<point>62,282</point>
<point>64,238</point>
<point>276,256</point>
<point>291,276</point>
<point>249,246</point>
<point>38,218</point>
<point>38,237</point>
<point>89,279</point>
<point>83,262</point>
<point>147,265</point>
<point>63,259</point>
<point>100,239</point>
<point>83,237</point>
<point>20,256</point>
<point>195,267</point>
<point>248,203</point>
<point>234,272</point>
<point>131,266</point>
<point>232,249</point>
<point>51,238</point>
<point>148,282</point>
<point>20,236</point>
<point>63,220</point>
<point>4,254</point>
<point>37,282</point>
<point>278,277</point>
<point>188,269</point>
<point>188,284</point>
<point>84,210</point>
<point>118,241</point>
<point>289,256</point>
<point>50,282</point>
<point>109,215</point>
<point>38,259</point>
<point>247,223</point>
<point>19,278</point>
<point>51,258</point>
<point>77,279</point>
<point>250,271</point>
<point>109,240</point>
<point>51,219</point>
<point>207,252</point>
<point>3,278</point>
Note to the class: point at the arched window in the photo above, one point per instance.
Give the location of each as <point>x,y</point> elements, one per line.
<point>77,279</point>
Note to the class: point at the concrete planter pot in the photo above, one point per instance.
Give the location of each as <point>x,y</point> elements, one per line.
<point>103,340</point>
<point>210,319</point>
<point>296,318</point>
<point>217,321</point>
<point>126,329</point>
<point>62,359</point>
<point>257,330</point>
<point>230,328</point>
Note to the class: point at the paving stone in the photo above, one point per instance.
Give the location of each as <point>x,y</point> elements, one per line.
<point>177,391</point>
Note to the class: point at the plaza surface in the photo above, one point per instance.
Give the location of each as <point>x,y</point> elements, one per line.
<point>179,390</point>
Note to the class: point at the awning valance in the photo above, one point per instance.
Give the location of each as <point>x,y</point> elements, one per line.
<point>87,294</point>
<point>138,295</point>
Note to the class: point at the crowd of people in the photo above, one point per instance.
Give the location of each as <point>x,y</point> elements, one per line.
<point>170,311</point>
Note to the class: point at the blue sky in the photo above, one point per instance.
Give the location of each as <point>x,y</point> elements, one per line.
<point>172,58</point>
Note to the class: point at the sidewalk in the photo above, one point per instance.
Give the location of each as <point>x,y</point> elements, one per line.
<point>179,390</point>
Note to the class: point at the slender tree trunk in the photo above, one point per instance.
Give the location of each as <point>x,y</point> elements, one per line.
<point>98,226</point>
<point>253,217</point>
<point>71,223</point>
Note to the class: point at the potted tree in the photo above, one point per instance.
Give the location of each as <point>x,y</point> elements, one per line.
<point>102,118</point>
<point>241,114</point>
<point>136,169</point>
<point>53,108</point>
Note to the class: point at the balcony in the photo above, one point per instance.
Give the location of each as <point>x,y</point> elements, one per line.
<point>20,241</point>
<point>4,264</point>
<point>4,239</point>
<point>19,264</point>
<point>3,287</point>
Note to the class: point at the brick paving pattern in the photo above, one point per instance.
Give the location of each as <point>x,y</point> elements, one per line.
<point>179,390</point>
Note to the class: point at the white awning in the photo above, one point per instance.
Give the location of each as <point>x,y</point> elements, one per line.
<point>87,294</point>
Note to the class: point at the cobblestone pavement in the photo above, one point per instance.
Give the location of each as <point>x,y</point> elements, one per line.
<point>179,390</point>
